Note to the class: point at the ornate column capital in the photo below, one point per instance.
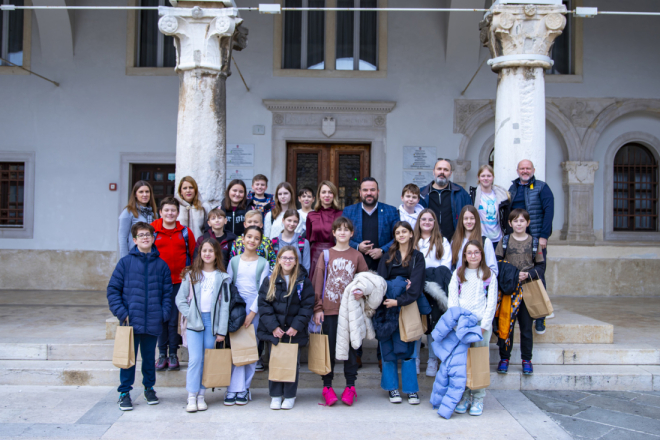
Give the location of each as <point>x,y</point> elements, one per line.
<point>579,173</point>
<point>521,35</point>
<point>204,37</point>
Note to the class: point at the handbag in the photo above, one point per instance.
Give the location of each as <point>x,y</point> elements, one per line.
<point>283,365</point>
<point>123,353</point>
<point>478,368</point>
<point>244,346</point>
<point>410,323</point>
<point>536,299</point>
<point>318,357</point>
<point>217,367</point>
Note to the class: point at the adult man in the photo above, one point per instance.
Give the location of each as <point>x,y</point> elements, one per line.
<point>445,198</point>
<point>373,223</point>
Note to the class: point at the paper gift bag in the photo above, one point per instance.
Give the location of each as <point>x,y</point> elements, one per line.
<point>425,323</point>
<point>410,323</point>
<point>217,367</point>
<point>123,354</point>
<point>318,357</point>
<point>478,368</point>
<point>244,346</point>
<point>283,362</point>
<point>536,299</point>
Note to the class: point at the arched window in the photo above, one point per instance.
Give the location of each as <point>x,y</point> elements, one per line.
<point>635,189</point>
<point>491,158</point>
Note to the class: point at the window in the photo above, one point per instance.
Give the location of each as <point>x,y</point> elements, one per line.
<point>153,49</point>
<point>563,48</point>
<point>635,189</point>
<point>12,184</point>
<point>12,34</point>
<point>304,36</point>
<point>161,177</point>
<point>357,36</point>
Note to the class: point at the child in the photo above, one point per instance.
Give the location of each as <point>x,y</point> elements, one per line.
<point>406,262</point>
<point>140,278</point>
<point>410,207</point>
<point>258,198</point>
<point>265,249</point>
<point>474,287</point>
<point>306,199</point>
<point>176,245</point>
<point>521,250</point>
<point>273,219</point>
<point>216,221</point>
<point>207,314</point>
<point>247,271</point>
<point>289,237</point>
<point>141,208</point>
<point>286,301</point>
<point>235,205</point>
<point>469,228</point>
<point>334,271</point>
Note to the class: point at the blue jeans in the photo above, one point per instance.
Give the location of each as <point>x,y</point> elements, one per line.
<point>418,347</point>
<point>389,380</point>
<point>147,346</point>
<point>197,343</point>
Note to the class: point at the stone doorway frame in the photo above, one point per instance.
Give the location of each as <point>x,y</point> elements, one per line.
<point>346,122</point>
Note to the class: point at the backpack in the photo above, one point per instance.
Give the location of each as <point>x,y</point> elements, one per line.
<point>185,239</point>
<point>276,244</point>
<point>535,246</point>
<point>261,265</point>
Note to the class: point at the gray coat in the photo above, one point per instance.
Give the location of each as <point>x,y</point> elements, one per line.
<point>126,221</point>
<point>220,311</point>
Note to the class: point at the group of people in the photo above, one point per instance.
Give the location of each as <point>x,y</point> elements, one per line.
<point>193,273</point>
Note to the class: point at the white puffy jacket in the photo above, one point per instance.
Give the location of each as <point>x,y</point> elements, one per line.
<point>354,321</point>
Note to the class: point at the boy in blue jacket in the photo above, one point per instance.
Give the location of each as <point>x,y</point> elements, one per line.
<point>139,295</point>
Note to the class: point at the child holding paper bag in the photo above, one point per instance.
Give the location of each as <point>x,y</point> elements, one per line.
<point>286,304</point>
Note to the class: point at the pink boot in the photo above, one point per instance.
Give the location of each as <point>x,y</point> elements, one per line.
<point>348,396</point>
<point>329,396</point>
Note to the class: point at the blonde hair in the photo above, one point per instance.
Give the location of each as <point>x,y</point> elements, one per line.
<point>481,170</point>
<point>195,201</point>
<point>277,271</point>
<point>335,201</point>
<point>253,213</point>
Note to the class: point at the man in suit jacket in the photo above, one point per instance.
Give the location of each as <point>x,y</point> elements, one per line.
<point>373,223</point>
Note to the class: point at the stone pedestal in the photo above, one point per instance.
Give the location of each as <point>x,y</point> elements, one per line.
<point>204,39</point>
<point>459,174</point>
<point>520,37</point>
<point>579,182</point>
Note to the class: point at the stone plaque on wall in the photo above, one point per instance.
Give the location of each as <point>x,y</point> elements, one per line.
<point>244,174</point>
<point>419,158</point>
<point>240,155</point>
<point>419,178</point>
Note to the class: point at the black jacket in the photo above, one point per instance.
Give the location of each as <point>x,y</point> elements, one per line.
<point>507,277</point>
<point>285,312</point>
<point>416,268</point>
<point>237,312</point>
<point>225,244</point>
<point>435,290</point>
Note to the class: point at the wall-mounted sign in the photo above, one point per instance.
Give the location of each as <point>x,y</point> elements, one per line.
<point>240,155</point>
<point>419,158</point>
<point>419,178</point>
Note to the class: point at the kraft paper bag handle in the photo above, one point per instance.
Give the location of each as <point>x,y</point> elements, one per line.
<point>126,322</point>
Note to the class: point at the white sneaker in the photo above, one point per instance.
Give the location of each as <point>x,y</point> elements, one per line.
<point>417,362</point>
<point>550,316</point>
<point>432,367</point>
<point>276,403</point>
<point>288,403</point>
<point>192,404</point>
<point>201,404</point>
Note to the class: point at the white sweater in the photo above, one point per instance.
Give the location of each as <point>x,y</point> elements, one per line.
<point>431,260</point>
<point>273,228</point>
<point>473,297</point>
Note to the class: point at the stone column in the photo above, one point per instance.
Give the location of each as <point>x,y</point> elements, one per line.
<point>459,174</point>
<point>520,37</point>
<point>579,180</point>
<point>204,39</point>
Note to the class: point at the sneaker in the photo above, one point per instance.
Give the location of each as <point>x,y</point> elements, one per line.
<point>413,398</point>
<point>276,403</point>
<point>124,402</point>
<point>462,406</point>
<point>503,366</point>
<point>288,403</point>
<point>242,398</point>
<point>173,362</point>
<point>550,316</point>
<point>477,408</point>
<point>395,397</point>
<point>150,396</point>
<point>528,368</point>
<point>417,362</point>
<point>329,396</point>
<point>260,366</point>
<point>230,399</point>
<point>432,368</point>
<point>192,405</point>
<point>161,363</point>
<point>349,395</point>
<point>539,326</point>
<point>201,403</point>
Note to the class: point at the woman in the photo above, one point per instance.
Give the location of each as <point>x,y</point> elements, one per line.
<point>319,222</point>
<point>235,204</point>
<point>469,228</point>
<point>273,225</point>
<point>192,211</point>
<point>493,203</point>
<point>141,208</point>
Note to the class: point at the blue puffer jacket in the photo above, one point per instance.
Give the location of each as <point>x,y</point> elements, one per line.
<point>451,347</point>
<point>140,288</point>
<point>386,324</point>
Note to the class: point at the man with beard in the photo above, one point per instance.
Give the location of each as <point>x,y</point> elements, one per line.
<point>373,222</point>
<point>445,198</point>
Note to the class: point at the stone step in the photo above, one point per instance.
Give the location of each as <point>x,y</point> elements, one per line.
<point>545,377</point>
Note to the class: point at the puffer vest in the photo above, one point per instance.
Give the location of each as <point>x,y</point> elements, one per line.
<point>533,203</point>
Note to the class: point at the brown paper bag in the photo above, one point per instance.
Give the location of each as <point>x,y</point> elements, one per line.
<point>283,362</point>
<point>478,368</point>
<point>123,354</point>
<point>410,323</point>
<point>217,367</point>
<point>425,323</point>
<point>318,357</point>
<point>244,346</point>
<point>536,299</point>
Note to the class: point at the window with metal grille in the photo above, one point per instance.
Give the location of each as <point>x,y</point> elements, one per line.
<point>635,189</point>
<point>304,36</point>
<point>154,49</point>
<point>11,33</point>
<point>12,184</point>
<point>357,36</point>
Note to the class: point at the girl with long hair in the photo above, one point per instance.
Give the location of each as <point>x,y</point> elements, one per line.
<point>286,303</point>
<point>192,210</point>
<point>141,207</point>
<point>493,203</point>
<point>235,204</point>
<point>273,225</point>
<point>319,222</point>
<point>429,240</point>
<point>469,228</point>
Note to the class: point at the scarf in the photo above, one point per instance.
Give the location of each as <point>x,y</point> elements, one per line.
<point>506,312</point>
<point>146,212</point>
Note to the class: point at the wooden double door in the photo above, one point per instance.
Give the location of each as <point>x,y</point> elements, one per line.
<point>345,165</point>
<point>160,176</point>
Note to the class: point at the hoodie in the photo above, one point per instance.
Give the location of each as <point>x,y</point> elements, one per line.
<point>172,247</point>
<point>226,241</point>
<point>410,218</point>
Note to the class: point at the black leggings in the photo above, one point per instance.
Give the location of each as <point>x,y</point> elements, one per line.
<point>330,324</point>
<point>526,336</point>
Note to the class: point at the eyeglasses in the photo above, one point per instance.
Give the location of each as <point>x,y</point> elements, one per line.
<point>473,254</point>
<point>288,259</point>
<point>143,236</point>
